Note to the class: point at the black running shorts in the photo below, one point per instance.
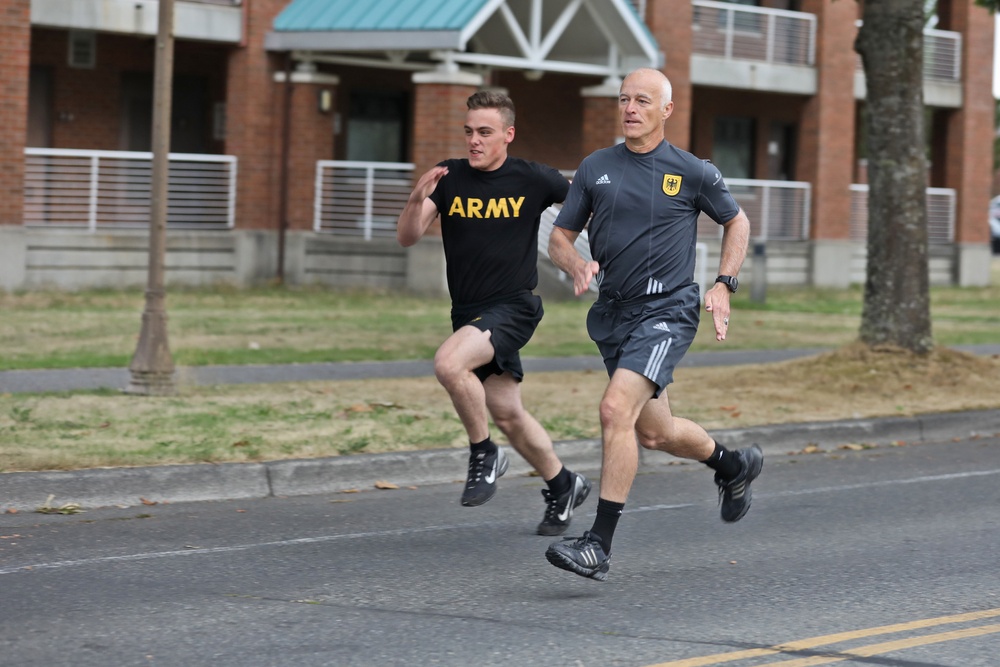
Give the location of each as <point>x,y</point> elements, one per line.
<point>511,324</point>
<point>648,335</point>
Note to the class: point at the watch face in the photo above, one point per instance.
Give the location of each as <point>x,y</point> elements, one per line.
<point>729,281</point>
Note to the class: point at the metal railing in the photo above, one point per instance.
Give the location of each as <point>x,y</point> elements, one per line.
<point>754,33</point>
<point>940,214</point>
<point>85,189</point>
<point>942,55</point>
<point>778,210</point>
<point>360,198</point>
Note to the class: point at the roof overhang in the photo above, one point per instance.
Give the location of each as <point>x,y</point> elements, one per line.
<point>588,37</point>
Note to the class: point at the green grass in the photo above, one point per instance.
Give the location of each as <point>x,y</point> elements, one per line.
<point>274,325</point>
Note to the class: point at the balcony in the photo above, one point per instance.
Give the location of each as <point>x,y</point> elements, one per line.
<point>205,20</point>
<point>942,70</point>
<point>740,46</point>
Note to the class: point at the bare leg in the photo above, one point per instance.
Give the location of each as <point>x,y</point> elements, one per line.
<point>623,401</point>
<point>459,355</point>
<point>658,429</point>
<point>525,434</point>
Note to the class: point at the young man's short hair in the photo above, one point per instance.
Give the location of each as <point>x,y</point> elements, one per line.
<point>491,99</point>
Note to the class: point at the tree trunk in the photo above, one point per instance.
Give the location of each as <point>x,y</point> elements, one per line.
<point>896,307</point>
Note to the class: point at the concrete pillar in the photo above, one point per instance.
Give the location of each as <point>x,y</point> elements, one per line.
<point>15,35</point>
<point>831,262</point>
<point>13,255</point>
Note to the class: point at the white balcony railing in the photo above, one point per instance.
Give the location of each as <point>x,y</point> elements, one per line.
<point>360,198</point>
<point>86,189</point>
<point>773,36</point>
<point>940,214</point>
<point>942,55</point>
<point>778,210</point>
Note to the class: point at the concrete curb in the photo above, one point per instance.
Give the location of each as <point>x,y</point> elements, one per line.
<point>105,487</point>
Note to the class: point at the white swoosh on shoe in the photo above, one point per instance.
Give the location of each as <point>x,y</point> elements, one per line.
<point>492,477</point>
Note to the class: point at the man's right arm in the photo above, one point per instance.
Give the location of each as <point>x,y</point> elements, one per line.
<point>564,255</point>
<point>420,209</point>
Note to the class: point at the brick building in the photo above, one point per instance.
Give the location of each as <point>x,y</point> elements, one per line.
<point>300,124</point>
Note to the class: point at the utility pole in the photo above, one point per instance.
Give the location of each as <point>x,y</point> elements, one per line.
<point>152,368</point>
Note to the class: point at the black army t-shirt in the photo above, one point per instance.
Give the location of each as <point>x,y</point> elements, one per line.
<point>489,225</point>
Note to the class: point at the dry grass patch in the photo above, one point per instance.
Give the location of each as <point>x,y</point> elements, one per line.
<point>319,419</point>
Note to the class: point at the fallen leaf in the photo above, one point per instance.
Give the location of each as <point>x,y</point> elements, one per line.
<point>11,511</point>
<point>241,443</point>
<point>735,413</point>
<point>351,491</point>
<point>728,408</point>
<point>9,537</point>
<point>854,447</point>
<point>359,407</point>
<point>811,449</point>
<point>385,485</point>
<point>147,502</point>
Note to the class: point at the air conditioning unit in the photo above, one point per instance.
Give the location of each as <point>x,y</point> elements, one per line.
<point>82,49</point>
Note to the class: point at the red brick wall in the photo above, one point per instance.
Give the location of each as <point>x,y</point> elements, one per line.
<point>601,124</point>
<point>826,134</point>
<point>715,102</point>
<point>15,35</point>
<point>311,139</point>
<point>969,131</point>
<point>438,117</point>
<point>670,22</point>
<point>87,103</point>
<point>550,112</point>
<point>253,119</point>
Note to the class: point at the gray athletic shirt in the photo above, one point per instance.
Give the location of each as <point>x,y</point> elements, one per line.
<point>645,210</point>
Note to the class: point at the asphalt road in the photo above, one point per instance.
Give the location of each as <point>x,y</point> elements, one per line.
<point>836,547</point>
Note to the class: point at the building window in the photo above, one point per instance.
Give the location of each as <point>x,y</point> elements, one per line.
<point>376,126</point>
<point>732,146</point>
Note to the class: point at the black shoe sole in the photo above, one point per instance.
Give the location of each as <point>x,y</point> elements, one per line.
<point>566,563</point>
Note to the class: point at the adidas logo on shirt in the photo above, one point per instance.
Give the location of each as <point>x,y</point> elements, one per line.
<point>603,180</point>
<point>662,326</point>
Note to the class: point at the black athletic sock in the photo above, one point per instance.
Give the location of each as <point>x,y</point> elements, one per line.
<point>724,462</point>
<point>606,521</point>
<point>486,445</point>
<point>560,484</point>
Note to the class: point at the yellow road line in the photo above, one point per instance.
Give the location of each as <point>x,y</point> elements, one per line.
<point>825,640</point>
<point>888,647</point>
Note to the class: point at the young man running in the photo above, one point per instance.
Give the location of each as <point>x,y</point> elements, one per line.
<point>645,197</point>
<point>490,206</point>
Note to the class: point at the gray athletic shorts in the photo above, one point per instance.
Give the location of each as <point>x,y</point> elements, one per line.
<point>648,335</point>
<point>511,324</point>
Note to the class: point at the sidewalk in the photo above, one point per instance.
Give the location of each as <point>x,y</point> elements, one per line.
<point>231,481</point>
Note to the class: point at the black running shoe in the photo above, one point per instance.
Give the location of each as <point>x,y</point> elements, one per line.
<point>582,555</point>
<point>559,509</point>
<point>734,495</point>
<point>484,469</point>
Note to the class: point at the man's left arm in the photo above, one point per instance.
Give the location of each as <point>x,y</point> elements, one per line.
<point>735,240</point>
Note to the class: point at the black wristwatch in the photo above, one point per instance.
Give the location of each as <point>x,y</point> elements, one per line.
<point>730,282</point>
